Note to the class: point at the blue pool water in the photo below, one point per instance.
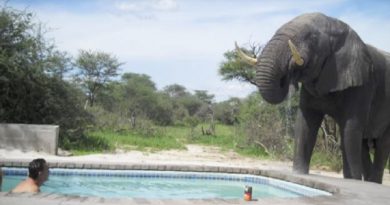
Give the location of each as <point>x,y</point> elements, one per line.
<point>158,184</point>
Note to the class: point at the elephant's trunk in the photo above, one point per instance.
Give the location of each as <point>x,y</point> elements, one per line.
<point>271,79</point>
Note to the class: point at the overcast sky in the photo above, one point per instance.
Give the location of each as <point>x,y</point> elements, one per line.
<point>183,41</point>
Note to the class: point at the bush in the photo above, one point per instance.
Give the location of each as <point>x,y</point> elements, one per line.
<point>227,112</point>
<point>88,143</point>
<point>104,119</point>
<point>146,128</point>
<point>132,139</point>
<point>266,126</point>
<point>326,161</point>
<point>327,152</point>
<point>191,122</point>
<point>32,89</point>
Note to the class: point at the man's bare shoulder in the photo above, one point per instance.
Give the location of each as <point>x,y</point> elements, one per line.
<point>26,186</point>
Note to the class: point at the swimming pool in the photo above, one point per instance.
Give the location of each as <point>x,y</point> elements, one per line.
<point>159,184</point>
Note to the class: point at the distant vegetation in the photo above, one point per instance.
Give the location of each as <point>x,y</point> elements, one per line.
<point>100,109</point>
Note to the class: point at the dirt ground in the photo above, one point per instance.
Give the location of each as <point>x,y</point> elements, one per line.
<point>193,155</point>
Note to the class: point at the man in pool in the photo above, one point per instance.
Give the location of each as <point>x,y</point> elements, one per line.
<point>1,177</point>
<point>38,173</point>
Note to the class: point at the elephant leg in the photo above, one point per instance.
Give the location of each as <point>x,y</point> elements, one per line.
<point>346,169</point>
<point>354,117</point>
<point>306,128</point>
<point>380,158</point>
<point>366,159</point>
<point>352,150</point>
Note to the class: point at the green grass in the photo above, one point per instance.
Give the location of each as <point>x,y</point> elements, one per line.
<point>176,137</point>
<point>253,151</point>
<point>321,160</point>
<point>224,137</point>
<point>129,140</point>
<point>170,137</point>
<point>165,138</point>
<point>180,133</point>
<point>79,152</point>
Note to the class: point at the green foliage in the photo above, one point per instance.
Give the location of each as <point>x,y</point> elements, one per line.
<point>135,97</point>
<point>185,104</point>
<point>147,129</point>
<point>31,86</point>
<point>104,119</point>
<point>58,64</point>
<point>191,122</point>
<point>205,112</point>
<point>227,112</point>
<point>326,161</point>
<point>254,151</point>
<point>179,114</point>
<point>86,144</point>
<point>147,137</point>
<point>110,97</point>
<point>140,80</point>
<point>163,110</point>
<point>95,70</point>
<point>65,109</point>
<point>203,96</point>
<point>138,94</point>
<point>233,68</point>
<point>327,153</point>
<point>267,126</point>
<point>175,91</point>
<point>141,99</point>
<point>224,138</point>
<point>130,140</point>
<point>190,103</point>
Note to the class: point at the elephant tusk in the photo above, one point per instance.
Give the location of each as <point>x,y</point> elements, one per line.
<point>245,57</point>
<point>297,57</point>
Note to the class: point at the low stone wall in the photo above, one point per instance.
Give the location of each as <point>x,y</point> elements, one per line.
<point>28,137</point>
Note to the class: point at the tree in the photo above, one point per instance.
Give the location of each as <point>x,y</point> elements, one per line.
<point>96,69</point>
<point>204,96</point>
<point>191,103</point>
<point>227,111</point>
<point>233,68</point>
<point>175,91</point>
<point>110,97</point>
<point>180,102</point>
<point>31,86</point>
<point>24,56</point>
<point>59,63</point>
<point>141,99</point>
<point>262,125</point>
<point>163,113</point>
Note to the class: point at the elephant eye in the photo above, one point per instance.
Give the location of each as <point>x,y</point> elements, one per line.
<point>311,37</point>
<point>314,37</point>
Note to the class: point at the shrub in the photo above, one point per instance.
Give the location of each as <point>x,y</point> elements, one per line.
<point>266,126</point>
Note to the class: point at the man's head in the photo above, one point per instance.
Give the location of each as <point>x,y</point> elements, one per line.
<point>38,170</point>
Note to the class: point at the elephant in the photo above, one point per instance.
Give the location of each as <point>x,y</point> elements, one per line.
<point>339,76</point>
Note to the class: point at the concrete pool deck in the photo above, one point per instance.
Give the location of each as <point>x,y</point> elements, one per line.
<point>344,191</point>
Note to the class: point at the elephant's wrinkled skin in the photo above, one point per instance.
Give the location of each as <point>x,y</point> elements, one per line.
<point>341,76</point>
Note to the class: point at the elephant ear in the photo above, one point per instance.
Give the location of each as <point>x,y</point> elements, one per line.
<point>348,65</point>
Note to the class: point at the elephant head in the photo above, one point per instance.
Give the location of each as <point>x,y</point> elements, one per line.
<point>321,52</point>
